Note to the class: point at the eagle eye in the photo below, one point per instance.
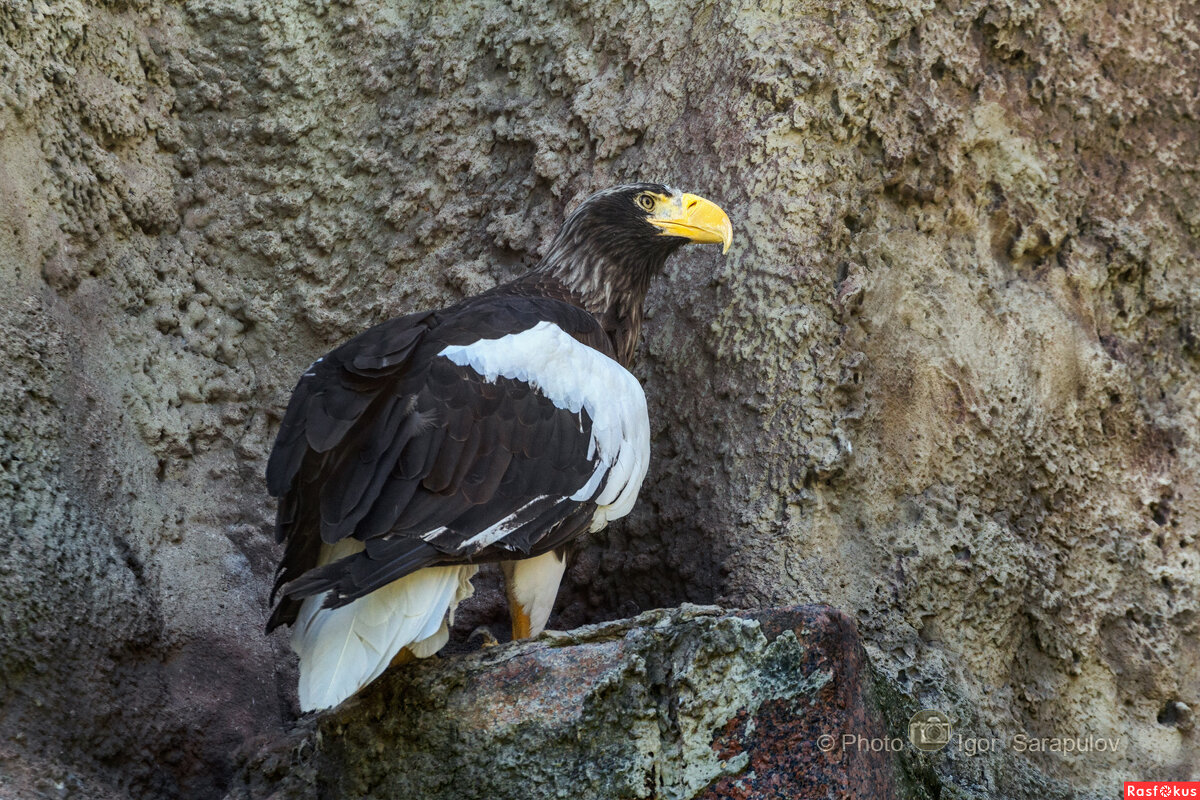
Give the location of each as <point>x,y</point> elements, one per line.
<point>645,201</point>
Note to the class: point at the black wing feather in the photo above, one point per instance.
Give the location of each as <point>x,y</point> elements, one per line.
<point>387,442</point>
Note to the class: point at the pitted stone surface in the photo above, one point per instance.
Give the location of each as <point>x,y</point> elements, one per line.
<point>946,379</point>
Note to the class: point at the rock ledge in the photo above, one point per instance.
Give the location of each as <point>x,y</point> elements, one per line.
<point>691,702</point>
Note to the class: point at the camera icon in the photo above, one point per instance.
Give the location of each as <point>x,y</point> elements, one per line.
<point>929,730</point>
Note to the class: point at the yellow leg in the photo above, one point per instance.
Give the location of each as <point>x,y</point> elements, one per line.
<point>537,579</point>
<point>403,657</point>
<point>522,626</point>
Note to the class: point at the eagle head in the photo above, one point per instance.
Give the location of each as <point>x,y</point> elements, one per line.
<point>618,239</point>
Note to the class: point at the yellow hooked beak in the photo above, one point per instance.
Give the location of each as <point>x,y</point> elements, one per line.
<point>693,218</point>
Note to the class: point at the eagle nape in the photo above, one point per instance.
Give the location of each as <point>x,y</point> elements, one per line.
<point>498,429</point>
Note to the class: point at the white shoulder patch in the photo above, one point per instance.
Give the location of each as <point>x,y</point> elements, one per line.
<point>574,376</point>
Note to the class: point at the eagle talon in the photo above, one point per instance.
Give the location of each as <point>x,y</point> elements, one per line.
<point>484,633</point>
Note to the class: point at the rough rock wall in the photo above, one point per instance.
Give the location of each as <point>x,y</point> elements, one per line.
<point>947,378</point>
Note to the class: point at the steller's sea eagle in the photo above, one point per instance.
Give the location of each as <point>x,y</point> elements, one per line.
<point>498,429</point>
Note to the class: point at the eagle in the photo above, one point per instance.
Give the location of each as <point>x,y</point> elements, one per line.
<point>498,429</point>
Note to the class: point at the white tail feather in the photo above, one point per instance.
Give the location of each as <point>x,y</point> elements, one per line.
<point>424,648</point>
<point>343,649</point>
